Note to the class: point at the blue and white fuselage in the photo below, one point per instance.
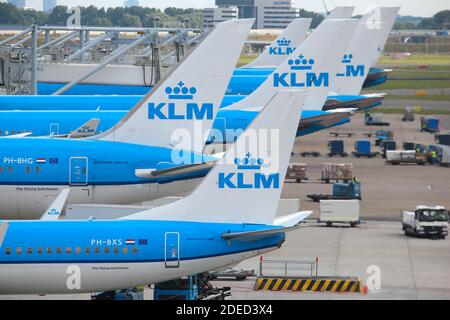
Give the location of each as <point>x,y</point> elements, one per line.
<point>87,256</point>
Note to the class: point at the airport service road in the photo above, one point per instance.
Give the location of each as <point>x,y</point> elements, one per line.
<point>410,268</point>
<point>386,189</point>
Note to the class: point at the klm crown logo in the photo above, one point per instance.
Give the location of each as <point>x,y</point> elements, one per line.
<point>350,69</point>
<point>301,63</point>
<point>53,212</point>
<point>180,92</point>
<point>290,79</point>
<point>174,110</point>
<point>248,178</point>
<point>283,42</point>
<point>283,47</point>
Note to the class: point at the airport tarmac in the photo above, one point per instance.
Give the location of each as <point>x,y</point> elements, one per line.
<point>386,189</point>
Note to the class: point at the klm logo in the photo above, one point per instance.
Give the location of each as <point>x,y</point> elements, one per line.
<point>283,48</point>
<point>53,212</point>
<point>248,176</point>
<point>289,79</point>
<point>191,110</point>
<point>350,69</point>
<point>86,129</point>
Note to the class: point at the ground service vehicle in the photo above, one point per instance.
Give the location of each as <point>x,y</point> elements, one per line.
<point>429,222</point>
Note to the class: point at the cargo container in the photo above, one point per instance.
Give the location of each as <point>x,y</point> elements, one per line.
<point>331,171</point>
<point>297,171</point>
<point>339,211</point>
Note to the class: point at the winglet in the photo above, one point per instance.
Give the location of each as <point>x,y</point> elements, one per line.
<point>54,211</point>
<point>87,129</point>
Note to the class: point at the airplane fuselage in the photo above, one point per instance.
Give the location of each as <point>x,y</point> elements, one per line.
<point>89,256</point>
<point>33,171</point>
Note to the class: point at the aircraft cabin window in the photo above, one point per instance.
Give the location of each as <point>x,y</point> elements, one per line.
<point>68,250</point>
<point>58,250</point>
<point>10,169</point>
<point>1,132</point>
<point>77,250</point>
<point>87,250</point>
<point>116,250</point>
<point>38,169</point>
<point>27,169</point>
<point>19,250</point>
<point>96,250</point>
<point>39,250</point>
<point>125,250</point>
<point>8,251</point>
<point>135,250</point>
<point>1,169</point>
<point>106,250</point>
<point>29,250</point>
<point>49,250</point>
<point>12,131</point>
<point>6,132</point>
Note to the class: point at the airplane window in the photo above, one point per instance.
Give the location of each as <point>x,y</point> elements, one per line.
<point>6,132</point>
<point>38,169</point>
<point>19,132</point>
<point>39,250</point>
<point>12,131</point>
<point>19,250</point>
<point>1,169</point>
<point>1,132</point>
<point>116,250</point>
<point>27,169</point>
<point>58,250</point>
<point>77,250</point>
<point>135,250</point>
<point>97,250</point>
<point>68,250</point>
<point>125,250</point>
<point>106,249</point>
<point>8,250</point>
<point>10,169</point>
<point>30,250</point>
<point>87,250</point>
<point>49,250</point>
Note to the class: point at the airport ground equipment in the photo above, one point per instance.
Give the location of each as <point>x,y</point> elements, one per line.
<point>363,149</point>
<point>296,171</point>
<point>408,114</point>
<point>409,146</point>
<point>387,145</point>
<point>126,294</point>
<point>444,155</point>
<point>429,124</point>
<point>337,172</point>
<point>396,157</point>
<point>339,211</point>
<point>196,287</point>
<point>443,139</point>
<point>341,191</point>
<point>375,119</point>
<point>425,221</point>
<point>313,154</point>
<point>227,274</point>
<point>345,134</point>
<point>382,135</point>
<point>336,148</point>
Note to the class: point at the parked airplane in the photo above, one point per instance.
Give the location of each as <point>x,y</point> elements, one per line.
<point>223,222</point>
<point>34,170</point>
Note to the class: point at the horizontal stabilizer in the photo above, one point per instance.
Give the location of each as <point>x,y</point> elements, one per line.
<point>282,224</point>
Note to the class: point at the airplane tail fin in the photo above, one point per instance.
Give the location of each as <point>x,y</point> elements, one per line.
<point>309,66</point>
<point>87,129</point>
<point>364,49</point>
<point>186,102</point>
<point>245,185</point>
<point>283,45</point>
<point>341,13</point>
<point>54,211</point>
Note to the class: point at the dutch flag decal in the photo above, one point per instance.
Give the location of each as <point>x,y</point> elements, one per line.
<point>40,160</point>
<point>129,241</point>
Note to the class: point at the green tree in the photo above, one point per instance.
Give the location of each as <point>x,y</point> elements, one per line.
<point>58,16</point>
<point>129,20</point>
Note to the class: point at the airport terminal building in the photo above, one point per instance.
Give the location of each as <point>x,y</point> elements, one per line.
<point>269,14</point>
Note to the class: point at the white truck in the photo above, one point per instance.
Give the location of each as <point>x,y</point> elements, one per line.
<point>430,222</point>
<point>339,211</point>
<point>405,156</point>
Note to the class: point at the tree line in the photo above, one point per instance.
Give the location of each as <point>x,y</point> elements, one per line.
<point>439,21</point>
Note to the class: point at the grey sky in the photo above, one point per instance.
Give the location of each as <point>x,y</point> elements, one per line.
<point>409,7</point>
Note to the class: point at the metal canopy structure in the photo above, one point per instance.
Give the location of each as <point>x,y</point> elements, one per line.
<point>22,53</point>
